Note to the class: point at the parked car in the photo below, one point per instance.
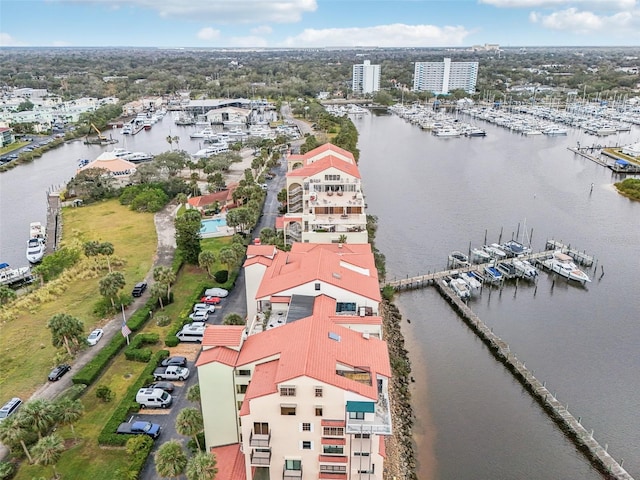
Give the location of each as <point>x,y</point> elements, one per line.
<point>139,289</point>
<point>166,386</point>
<point>10,408</point>
<point>57,373</point>
<point>95,336</point>
<point>205,307</point>
<point>216,292</point>
<point>210,300</point>
<point>180,361</point>
<point>199,316</point>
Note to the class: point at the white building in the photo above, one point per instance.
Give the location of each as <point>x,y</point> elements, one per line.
<point>442,77</point>
<point>301,392</point>
<point>366,78</point>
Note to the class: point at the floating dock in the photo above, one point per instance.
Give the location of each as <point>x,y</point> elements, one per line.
<point>559,413</point>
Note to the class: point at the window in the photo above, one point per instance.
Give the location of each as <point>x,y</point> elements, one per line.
<point>306,427</point>
<point>371,470</point>
<point>293,465</point>
<point>242,389</point>
<point>306,445</point>
<point>356,415</point>
<point>361,454</point>
<point>333,469</point>
<point>287,409</point>
<point>332,449</point>
<point>261,428</point>
<point>349,307</point>
<point>362,435</point>
<point>333,431</point>
<point>243,373</point>
<point>318,411</point>
<point>318,392</point>
<point>317,286</point>
<point>287,391</point>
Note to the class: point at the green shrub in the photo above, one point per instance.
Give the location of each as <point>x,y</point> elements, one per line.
<point>135,350</point>
<point>221,276</point>
<point>128,404</point>
<point>104,393</point>
<point>92,370</point>
<point>74,392</point>
<point>7,470</point>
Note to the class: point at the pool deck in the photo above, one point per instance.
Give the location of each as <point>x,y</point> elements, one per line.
<point>221,231</point>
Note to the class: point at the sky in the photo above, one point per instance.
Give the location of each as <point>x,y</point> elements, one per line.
<point>318,23</point>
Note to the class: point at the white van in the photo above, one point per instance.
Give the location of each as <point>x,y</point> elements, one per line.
<point>153,398</point>
<point>191,332</point>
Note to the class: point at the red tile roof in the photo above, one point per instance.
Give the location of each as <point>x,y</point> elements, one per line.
<point>332,423</point>
<point>277,299</point>
<point>222,197</point>
<point>331,459</point>
<point>333,441</point>
<point>223,355</point>
<point>328,147</point>
<point>268,251</point>
<point>332,476</point>
<point>323,164</point>
<point>356,320</point>
<point>279,222</point>
<point>350,267</point>
<point>108,161</point>
<point>223,336</point>
<point>382,447</point>
<point>262,383</point>
<point>230,462</point>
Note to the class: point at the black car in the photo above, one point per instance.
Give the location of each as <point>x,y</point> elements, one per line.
<point>139,289</point>
<point>58,372</point>
<point>166,386</point>
<point>178,361</point>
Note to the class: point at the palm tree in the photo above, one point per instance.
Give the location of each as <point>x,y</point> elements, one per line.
<point>6,294</point>
<point>66,330</point>
<point>12,432</point>
<point>68,412</point>
<point>189,423</point>
<point>207,259</point>
<point>170,459</point>
<point>110,285</point>
<point>228,257</point>
<point>165,276</point>
<point>176,140</point>
<point>107,250</point>
<point>170,141</point>
<point>202,466</point>
<point>48,451</point>
<point>38,415</point>
<point>159,291</point>
<point>181,198</point>
<point>233,319</point>
<point>91,249</point>
<point>193,394</point>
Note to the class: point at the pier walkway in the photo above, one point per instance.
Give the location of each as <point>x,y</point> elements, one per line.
<point>54,222</point>
<point>559,413</point>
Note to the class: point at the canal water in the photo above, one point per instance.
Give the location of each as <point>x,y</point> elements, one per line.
<point>433,195</point>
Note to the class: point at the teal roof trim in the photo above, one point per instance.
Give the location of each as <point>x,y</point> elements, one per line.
<point>366,407</point>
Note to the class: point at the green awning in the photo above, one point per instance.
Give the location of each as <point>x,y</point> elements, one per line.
<point>366,407</point>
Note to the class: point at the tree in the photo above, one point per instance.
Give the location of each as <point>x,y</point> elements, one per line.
<point>188,235</point>
<point>48,451</point>
<point>181,198</point>
<point>165,276</point>
<point>172,162</point>
<point>68,412</point>
<point>170,459</point>
<point>233,319</point>
<point>202,466</point>
<point>193,394</point>
<point>207,259</point>
<point>92,184</point>
<point>13,432</point>
<point>190,423</point>
<point>107,250</point>
<point>110,285</point>
<point>228,257</point>
<point>159,291</point>
<point>6,295</point>
<point>39,415</point>
<point>91,249</point>
<point>66,331</point>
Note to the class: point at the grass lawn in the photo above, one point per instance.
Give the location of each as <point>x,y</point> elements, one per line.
<point>12,146</point>
<point>134,239</point>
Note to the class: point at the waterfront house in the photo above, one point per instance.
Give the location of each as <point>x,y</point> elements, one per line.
<point>6,136</point>
<point>120,169</point>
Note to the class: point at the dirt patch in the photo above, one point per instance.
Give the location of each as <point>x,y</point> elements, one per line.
<point>154,411</point>
<point>189,351</point>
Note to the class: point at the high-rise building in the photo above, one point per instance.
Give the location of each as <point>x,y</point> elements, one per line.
<point>366,78</point>
<point>442,77</point>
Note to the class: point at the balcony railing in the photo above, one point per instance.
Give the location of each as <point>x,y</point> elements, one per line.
<point>260,458</point>
<point>291,474</point>
<point>259,439</point>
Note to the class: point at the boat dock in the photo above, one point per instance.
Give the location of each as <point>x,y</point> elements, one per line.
<point>559,413</point>
<point>580,257</point>
<point>595,154</point>
<point>54,222</point>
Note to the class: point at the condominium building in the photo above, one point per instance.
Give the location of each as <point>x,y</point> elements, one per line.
<point>366,78</point>
<point>442,77</point>
<point>325,203</point>
<point>301,391</point>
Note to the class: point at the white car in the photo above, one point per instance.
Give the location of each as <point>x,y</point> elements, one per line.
<point>199,316</point>
<point>95,336</point>
<point>216,292</point>
<point>205,307</point>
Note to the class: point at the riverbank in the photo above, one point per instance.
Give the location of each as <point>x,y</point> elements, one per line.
<point>400,461</point>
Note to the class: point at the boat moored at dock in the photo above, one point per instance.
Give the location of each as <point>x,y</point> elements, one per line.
<point>13,276</point>
<point>36,242</point>
<point>563,265</point>
<point>458,259</point>
<point>525,269</point>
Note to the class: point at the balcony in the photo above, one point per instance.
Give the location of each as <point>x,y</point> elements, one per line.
<point>377,415</point>
<point>291,474</point>
<point>260,458</point>
<point>259,440</point>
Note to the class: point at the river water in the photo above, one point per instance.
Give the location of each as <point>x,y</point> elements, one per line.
<point>432,196</point>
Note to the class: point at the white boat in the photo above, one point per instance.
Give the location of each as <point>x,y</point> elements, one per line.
<point>525,269</point>
<point>137,157</point>
<point>458,259</point>
<point>206,132</point>
<point>514,248</point>
<point>555,131</point>
<point>214,150</point>
<point>563,265</point>
<point>36,243</point>
<point>472,281</point>
<point>120,152</point>
<point>127,129</point>
<point>476,132</point>
<point>460,287</point>
<point>446,131</point>
<point>495,251</point>
<point>492,274</point>
<point>478,255</point>
<point>10,276</point>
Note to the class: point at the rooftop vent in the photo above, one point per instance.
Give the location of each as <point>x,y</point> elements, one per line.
<point>336,275</point>
<point>334,336</point>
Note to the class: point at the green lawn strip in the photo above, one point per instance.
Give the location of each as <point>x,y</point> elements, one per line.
<point>12,146</point>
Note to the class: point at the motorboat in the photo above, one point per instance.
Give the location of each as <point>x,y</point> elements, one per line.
<point>495,251</point>
<point>525,269</point>
<point>514,248</point>
<point>563,265</point>
<point>492,274</point>
<point>460,287</point>
<point>476,132</point>
<point>35,250</point>
<point>458,259</point>
<point>555,131</point>
<point>473,281</point>
<point>205,132</point>
<point>507,269</point>
<point>446,131</point>
<point>10,276</point>
<point>478,255</point>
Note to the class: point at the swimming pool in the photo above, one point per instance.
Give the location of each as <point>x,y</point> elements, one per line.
<point>212,225</point>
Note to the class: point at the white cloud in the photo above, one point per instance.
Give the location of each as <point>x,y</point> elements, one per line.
<point>246,42</point>
<point>208,33</point>
<point>262,30</point>
<point>609,5</point>
<point>393,35</point>
<point>7,40</point>
<point>220,11</point>
<point>583,22</point>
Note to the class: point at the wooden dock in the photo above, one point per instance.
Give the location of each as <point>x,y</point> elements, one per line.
<point>559,413</point>
<point>54,222</point>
